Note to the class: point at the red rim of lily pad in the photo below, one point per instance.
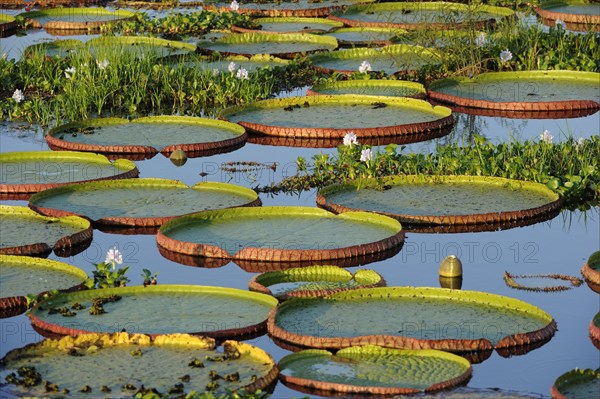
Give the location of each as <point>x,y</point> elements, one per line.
<point>595,330</point>
<point>591,272</point>
<point>64,247</point>
<point>92,25</point>
<point>8,25</point>
<point>15,305</point>
<point>498,218</point>
<point>578,22</point>
<point>24,191</point>
<point>413,131</point>
<point>128,221</point>
<point>140,152</point>
<point>276,255</point>
<point>505,344</point>
<point>548,107</point>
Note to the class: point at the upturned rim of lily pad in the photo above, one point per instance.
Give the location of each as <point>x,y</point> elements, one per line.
<point>67,44</point>
<point>413,132</point>
<point>15,305</point>
<point>241,331</point>
<point>365,278</point>
<point>362,53</point>
<point>281,11</point>
<point>8,25</point>
<point>345,43</point>
<point>276,255</point>
<point>92,25</point>
<point>307,20</point>
<point>22,191</point>
<point>418,89</point>
<point>64,247</point>
<point>148,182</point>
<point>573,377</point>
<point>353,353</point>
<point>517,106</point>
<point>497,218</point>
<point>578,22</point>
<point>104,340</point>
<point>595,330</point>
<point>591,272</point>
<point>505,344</point>
<point>146,151</point>
<point>115,41</point>
<point>326,43</point>
<point>502,12</point>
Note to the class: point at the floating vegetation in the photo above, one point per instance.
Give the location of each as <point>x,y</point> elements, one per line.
<point>591,271</point>
<point>510,280</point>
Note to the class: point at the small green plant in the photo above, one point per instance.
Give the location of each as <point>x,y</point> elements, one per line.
<point>107,274</point>
<point>33,299</point>
<point>149,277</point>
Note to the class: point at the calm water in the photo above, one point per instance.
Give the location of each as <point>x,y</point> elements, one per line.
<point>561,245</point>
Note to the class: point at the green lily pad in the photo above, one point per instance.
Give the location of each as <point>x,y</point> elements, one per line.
<point>576,384</point>
<point>396,58</point>
<point>579,15</point>
<point>371,87</point>
<point>595,330</point>
<point>8,25</point>
<point>293,25</point>
<point>56,48</point>
<point>433,15</point>
<point>22,275</point>
<point>146,136</point>
<point>324,116</point>
<point>139,202</point>
<point>139,46</point>
<point>374,370</point>
<point>284,45</point>
<point>591,271</point>
<point>157,310</point>
<point>411,318</point>
<point>313,281</point>
<point>288,8</point>
<point>229,64</point>
<point>443,200</point>
<point>175,363</point>
<point>522,91</point>
<point>25,232</point>
<point>366,36</point>
<point>25,173</point>
<point>74,18</point>
<point>279,234</point>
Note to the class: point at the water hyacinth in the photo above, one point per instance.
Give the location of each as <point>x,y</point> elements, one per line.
<point>231,67</point>
<point>579,143</point>
<point>114,257</point>
<point>546,137</point>
<point>215,72</point>
<point>69,72</point>
<point>242,73</point>
<point>364,67</point>
<point>350,139</point>
<point>505,55</point>
<point>234,6</point>
<point>102,64</point>
<point>366,155</point>
<point>481,40</point>
<point>18,96</point>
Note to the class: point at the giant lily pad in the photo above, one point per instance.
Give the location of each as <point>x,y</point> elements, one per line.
<point>443,200</point>
<point>591,271</point>
<point>25,173</point>
<point>284,45</point>
<point>522,91</point>
<point>321,117</point>
<point>139,202</point>
<point>280,234</point>
<point>25,232</point>
<point>291,25</point>
<point>371,87</point>
<point>139,46</point>
<point>174,363</point>
<point>595,330</point>
<point>157,310</point>
<point>577,383</point>
<point>22,275</point>
<point>397,58</point>
<point>374,370</point>
<point>147,136</point>
<point>229,64</point>
<point>56,48</point>
<point>8,25</point>
<point>366,36</point>
<point>411,318</point>
<point>313,281</point>
<point>580,15</point>
<point>89,19</point>
<point>432,15</point>
<point>289,8</point>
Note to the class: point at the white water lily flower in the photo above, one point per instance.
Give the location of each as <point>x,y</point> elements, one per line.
<point>102,64</point>
<point>364,67</point>
<point>505,55</point>
<point>579,143</point>
<point>69,72</point>
<point>350,139</point>
<point>546,137</point>
<point>481,40</point>
<point>231,67</point>
<point>242,73</point>
<point>18,96</point>
<point>559,23</point>
<point>366,155</point>
<point>114,257</point>
<point>234,6</point>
